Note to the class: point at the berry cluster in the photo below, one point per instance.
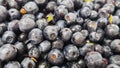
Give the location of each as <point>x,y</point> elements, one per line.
<point>59,33</point>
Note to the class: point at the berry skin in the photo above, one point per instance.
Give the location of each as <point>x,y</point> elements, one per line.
<point>41,23</point>
<point>65,34</point>
<point>88,4</point>
<point>71,52</point>
<point>94,14</point>
<point>96,36</point>
<point>55,67</point>
<point>107,52</point>
<point>43,64</point>
<point>12,4</point>
<point>31,16</point>
<point>76,28</point>
<point>113,66</point>
<point>30,46</point>
<point>13,25</point>
<point>20,47</point>
<point>7,52</point>
<point>3,13</point>
<point>44,46</point>
<point>70,18</point>
<point>22,37</point>
<point>115,45</point>
<point>35,36</point>
<point>77,38</point>
<point>14,13</point>
<point>28,63</point>
<point>51,6</point>
<point>50,32</point>
<point>8,37</point>
<point>34,52</point>
<point>88,47</point>
<point>58,44</point>
<point>31,7</point>
<point>115,59</point>
<point>102,22</point>
<point>85,12</point>
<point>55,57</point>
<point>61,24</point>
<point>12,64</point>
<point>26,24</point>
<point>94,60</point>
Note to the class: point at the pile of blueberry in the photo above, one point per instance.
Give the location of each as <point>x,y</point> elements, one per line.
<point>59,33</point>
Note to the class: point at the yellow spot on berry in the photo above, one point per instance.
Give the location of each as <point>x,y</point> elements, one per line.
<point>50,17</point>
<point>33,59</point>
<point>23,11</point>
<point>111,19</point>
<point>87,0</point>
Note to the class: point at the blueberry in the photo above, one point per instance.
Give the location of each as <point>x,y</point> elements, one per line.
<point>113,66</point>
<point>20,47</point>
<point>12,4</point>
<point>68,3</point>
<point>8,37</point>
<point>102,22</point>
<point>61,11</point>
<point>115,59</point>
<point>43,64</point>
<point>94,60</point>
<point>44,46</point>
<point>107,52</point>
<point>1,42</point>
<point>61,24</point>
<point>85,33</point>
<point>93,14</point>
<point>117,13</point>
<point>78,38</point>
<point>66,34</point>
<point>116,20</point>
<point>40,15</point>
<point>112,30</point>
<point>55,57</point>
<point>13,25</point>
<point>100,1</point>
<point>31,7</point>
<point>98,48</point>
<point>117,3</point>
<point>7,52</point>
<point>34,52</point>
<point>76,28</point>
<point>3,28</point>
<point>96,36</point>
<point>41,23</point>
<point>70,18</point>
<point>92,26</point>
<point>51,6</point>
<point>40,1</point>
<point>26,24</point>
<point>71,52</point>
<point>103,13</point>
<point>88,47</point>
<point>3,13</point>
<point>31,16</point>
<point>58,44</point>
<point>79,20</point>
<point>85,12</point>
<point>35,36</point>
<point>88,4</point>
<point>109,7</point>
<point>22,37</point>
<point>12,64</point>
<point>55,67</point>
<point>115,45</point>
<point>78,64</point>
<point>28,63</point>
<point>51,32</point>
<point>96,6</point>
<point>30,46</point>
<point>3,2</point>
<point>14,13</point>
